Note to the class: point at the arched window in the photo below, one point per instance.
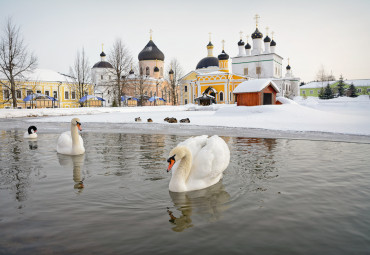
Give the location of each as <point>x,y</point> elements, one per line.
<point>141,71</point>
<point>221,96</point>
<point>147,70</point>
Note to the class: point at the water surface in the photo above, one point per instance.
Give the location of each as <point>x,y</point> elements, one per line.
<point>277,196</point>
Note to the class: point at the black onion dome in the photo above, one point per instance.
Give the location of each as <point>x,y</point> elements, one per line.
<point>151,52</point>
<point>131,71</point>
<point>171,71</point>
<point>267,39</point>
<point>103,64</point>
<point>102,54</point>
<point>273,43</point>
<point>288,67</point>
<point>156,69</point>
<point>209,44</point>
<point>206,62</point>
<point>257,34</point>
<point>223,56</point>
<point>240,43</point>
<point>248,46</point>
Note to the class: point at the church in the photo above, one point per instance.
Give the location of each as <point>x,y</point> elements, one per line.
<point>212,80</point>
<point>139,88</point>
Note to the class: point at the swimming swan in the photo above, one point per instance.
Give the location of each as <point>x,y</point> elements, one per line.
<point>70,142</point>
<point>197,163</point>
<point>31,133</point>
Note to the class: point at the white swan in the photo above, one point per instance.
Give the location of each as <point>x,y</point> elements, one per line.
<point>70,142</point>
<point>31,133</point>
<point>197,163</point>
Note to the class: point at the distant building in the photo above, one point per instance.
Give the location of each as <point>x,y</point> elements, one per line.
<point>45,82</point>
<point>313,88</point>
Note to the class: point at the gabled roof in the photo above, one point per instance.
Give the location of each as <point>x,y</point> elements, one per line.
<point>255,85</point>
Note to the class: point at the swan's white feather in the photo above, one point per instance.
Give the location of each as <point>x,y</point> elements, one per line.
<point>210,157</point>
<point>64,144</point>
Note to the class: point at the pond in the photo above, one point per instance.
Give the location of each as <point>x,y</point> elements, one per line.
<point>278,196</point>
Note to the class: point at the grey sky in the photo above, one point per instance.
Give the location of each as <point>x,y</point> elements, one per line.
<point>334,34</point>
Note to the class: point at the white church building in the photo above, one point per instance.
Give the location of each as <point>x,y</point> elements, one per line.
<point>263,62</point>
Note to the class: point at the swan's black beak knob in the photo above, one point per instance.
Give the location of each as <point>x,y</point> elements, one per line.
<point>171,162</point>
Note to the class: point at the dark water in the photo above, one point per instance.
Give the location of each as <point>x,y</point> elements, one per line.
<point>277,196</point>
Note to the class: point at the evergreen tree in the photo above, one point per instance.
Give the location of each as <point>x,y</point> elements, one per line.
<point>328,92</point>
<point>352,91</point>
<point>340,87</point>
<point>321,93</point>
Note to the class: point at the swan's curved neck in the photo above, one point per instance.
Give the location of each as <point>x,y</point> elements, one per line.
<point>74,134</point>
<point>182,173</point>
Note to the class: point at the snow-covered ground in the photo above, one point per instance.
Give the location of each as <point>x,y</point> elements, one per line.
<point>341,115</point>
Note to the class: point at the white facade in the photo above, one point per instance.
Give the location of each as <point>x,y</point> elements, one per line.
<point>101,77</point>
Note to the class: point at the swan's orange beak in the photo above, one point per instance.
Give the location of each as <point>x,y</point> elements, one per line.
<point>79,126</point>
<point>171,162</point>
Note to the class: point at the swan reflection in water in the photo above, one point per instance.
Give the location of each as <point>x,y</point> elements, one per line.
<point>208,204</point>
<point>76,162</point>
<point>32,145</point>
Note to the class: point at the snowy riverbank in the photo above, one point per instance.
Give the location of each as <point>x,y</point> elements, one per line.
<point>339,116</point>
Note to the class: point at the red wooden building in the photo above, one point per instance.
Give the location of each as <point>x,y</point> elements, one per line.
<point>256,92</point>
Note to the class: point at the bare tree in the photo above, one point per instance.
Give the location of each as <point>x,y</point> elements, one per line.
<point>80,72</point>
<point>120,58</point>
<point>141,88</point>
<point>15,59</point>
<point>174,75</point>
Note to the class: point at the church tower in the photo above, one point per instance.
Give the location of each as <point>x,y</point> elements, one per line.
<point>223,59</point>
<point>150,59</point>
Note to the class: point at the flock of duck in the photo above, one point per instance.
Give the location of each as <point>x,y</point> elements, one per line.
<point>196,163</point>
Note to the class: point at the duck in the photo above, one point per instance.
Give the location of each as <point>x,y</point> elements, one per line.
<point>197,163</point>
<point>31,133</point>
<point>70,142</point>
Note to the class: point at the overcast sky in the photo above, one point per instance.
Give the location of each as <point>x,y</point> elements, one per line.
<point>330,33</point>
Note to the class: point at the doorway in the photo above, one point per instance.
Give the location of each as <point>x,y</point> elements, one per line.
<point>267,98</point>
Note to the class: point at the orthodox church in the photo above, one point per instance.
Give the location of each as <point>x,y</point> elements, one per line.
<point>148,82</point>
<point>212,80</point>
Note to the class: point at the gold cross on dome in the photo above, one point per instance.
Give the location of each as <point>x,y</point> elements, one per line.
<point>151,33</point>
<point>247,38</point>
<point>223,44</point>
<point>288,61</point>
<point>241,35</point>
<point>267,31</point>
<point>102,47</point>
<point>272,34</point>
<point>210,36</point>
<point>256,17</point>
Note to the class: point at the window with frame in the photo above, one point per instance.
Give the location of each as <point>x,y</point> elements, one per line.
<point>359,90</point>
<point>311,92</point>
<point>245,71</point>
<point>6,94</point>
<point>186,101</point>
<point>221,96</point>
<point>258,70</point>
<point>18,94</point>
<point>303,92</point>
<point>368,89</point>
<point>29,92</point>
<point>66,95</point>
<point>186,88</point>
<point>55,94</point>
<point>101,77</point>
<point>73,95</point>
<point>47,92</point>
<point>38,91</point>
<point>147,71</point>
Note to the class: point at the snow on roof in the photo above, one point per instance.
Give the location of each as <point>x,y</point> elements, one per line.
<point>320,84</point>
<point>46,75</point>
<point>255,85</point>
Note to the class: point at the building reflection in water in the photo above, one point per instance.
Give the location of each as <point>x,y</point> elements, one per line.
<point>76,163</point>
<point>208,204</point>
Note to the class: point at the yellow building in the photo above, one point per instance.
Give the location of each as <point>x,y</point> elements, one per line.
<point>46,82</point>
<point>210,81</point>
